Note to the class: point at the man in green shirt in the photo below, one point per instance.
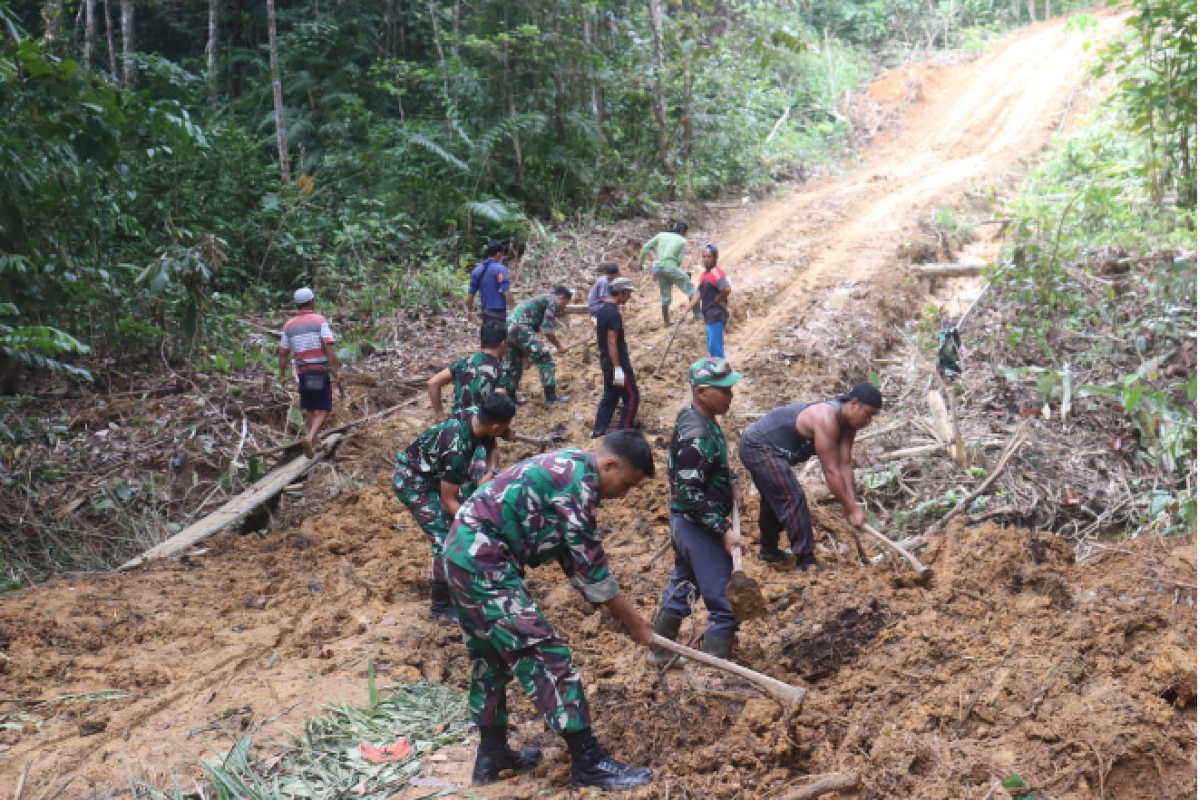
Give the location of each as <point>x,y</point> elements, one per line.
<point>668,248</point>
<point>541,511</point>
<point>431,473</point>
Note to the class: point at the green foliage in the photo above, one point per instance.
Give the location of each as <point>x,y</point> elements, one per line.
<point>1155,68</point>
<point>324,762</point>
<point>1107,310</point>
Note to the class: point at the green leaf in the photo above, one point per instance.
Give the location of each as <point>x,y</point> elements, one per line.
<point>1014,781</point>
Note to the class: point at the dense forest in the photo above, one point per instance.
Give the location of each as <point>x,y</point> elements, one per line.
<point>165,166</point>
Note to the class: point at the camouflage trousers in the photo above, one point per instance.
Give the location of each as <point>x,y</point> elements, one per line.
<point>523,342</point>
<point>507,635</point>
<point>427,509</point>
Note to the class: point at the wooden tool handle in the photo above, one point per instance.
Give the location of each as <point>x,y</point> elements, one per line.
<point>737,551</point>
<point>788,696</point>
<point>917,565</point>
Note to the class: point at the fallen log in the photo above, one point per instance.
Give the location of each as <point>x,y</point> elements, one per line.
<point>238,508</point>
<point>946,270</point>
<point>834,783</point>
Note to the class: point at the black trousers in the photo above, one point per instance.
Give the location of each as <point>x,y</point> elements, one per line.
<point>626,395</point>
<point>784,506</point>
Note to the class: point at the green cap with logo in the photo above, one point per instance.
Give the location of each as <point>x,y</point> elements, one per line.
<point>712,372</point>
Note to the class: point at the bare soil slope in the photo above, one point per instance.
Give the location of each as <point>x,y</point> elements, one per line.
<point>1079,678</point>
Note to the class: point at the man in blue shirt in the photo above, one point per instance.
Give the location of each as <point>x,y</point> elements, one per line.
<point>490,281</point>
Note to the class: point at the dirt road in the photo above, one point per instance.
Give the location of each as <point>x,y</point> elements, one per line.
<point>1017,661</point>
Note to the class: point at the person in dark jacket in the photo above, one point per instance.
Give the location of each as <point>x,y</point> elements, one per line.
<point>620,385</point>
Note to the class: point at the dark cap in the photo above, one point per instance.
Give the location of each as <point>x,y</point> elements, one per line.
<point>865,393</point>
<point>611,269</point>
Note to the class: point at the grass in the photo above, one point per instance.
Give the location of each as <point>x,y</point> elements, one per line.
<point>323,762</point>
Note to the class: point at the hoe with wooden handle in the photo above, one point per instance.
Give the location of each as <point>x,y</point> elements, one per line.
<point>924,573</point>
<point>787,695</point>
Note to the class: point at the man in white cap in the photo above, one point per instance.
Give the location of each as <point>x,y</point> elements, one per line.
<point>309,339</point>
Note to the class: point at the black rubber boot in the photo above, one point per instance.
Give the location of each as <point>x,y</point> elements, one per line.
<point>774,556</point>
<point>552,396</point>
<point>666,315</point>
<point>495,756</point>
<point>441,608</point>
<point>808,561</point>
<point>591,765</point>
<point>668,628</point>
<point>716,646</point>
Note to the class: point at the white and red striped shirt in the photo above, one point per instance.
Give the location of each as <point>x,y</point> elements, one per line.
<point>305,335</point>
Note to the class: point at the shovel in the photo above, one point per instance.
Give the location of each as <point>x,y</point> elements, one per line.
<point>924,573</point>
<point>743,591</point>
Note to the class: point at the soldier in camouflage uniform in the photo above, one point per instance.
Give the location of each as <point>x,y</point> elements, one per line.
<point>524,323</point>
<point>474,378</point>
<point>703,491</point>
<point>430,473</point>
<point>539,511</point>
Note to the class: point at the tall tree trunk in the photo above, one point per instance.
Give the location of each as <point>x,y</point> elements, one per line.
<point>89,34</point>
<point>52,15</point>
<point>596,108</point>
<point>1032,11</point>
<point>128,79</point>
<point>437,42</point>
<point>112,45</point>
<point>285,167</point>
<point>210,50</point>
<point>660,102</point>
<point>1047,14</point>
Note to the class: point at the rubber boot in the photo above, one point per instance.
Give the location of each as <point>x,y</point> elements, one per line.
<point>808,561</point>
<point>666,311</point>
<point>441,608</point>
<point>717,646</point>
<point>773,556</point>
<point>591,765</point>
<point>495,756</point>
<point>552,396</point>
<point>668,628</point>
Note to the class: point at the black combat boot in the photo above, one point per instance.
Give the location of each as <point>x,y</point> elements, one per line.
<point>716,646</point>
<point>552,396</point>
<point>808,561</point>
<point>668,628</point>
<point>495,756</point>
<point>591,765</point>
<point>441,608</point>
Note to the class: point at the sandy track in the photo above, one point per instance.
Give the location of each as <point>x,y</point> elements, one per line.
<point>970,124</point>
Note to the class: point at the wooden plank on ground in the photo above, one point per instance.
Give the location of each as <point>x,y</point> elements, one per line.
<point>236,509</point>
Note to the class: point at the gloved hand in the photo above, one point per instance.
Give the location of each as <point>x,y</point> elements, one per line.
<point>618,377</point>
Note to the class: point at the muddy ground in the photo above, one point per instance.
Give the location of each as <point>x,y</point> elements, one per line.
<point>1080,678</point>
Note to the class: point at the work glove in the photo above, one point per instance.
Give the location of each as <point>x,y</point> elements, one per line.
<point>618,377</point>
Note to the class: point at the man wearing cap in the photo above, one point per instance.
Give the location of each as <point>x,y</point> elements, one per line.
<point>309,339</point>
<point>600,288</point>
<point>490,281</point>
<point>789,435</point>
<point>539,314</point>
<point>703,491</point>
<point>619,384</point>
<point>668,248</point>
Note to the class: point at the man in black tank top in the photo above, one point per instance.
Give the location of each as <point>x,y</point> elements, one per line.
<point>789,435</point>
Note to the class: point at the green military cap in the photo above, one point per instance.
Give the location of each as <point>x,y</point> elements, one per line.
<point>712,372</point>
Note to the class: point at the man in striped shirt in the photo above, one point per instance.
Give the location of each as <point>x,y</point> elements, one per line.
<point>309,339</point>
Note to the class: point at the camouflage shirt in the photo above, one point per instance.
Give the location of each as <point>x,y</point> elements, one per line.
<point>538,313</point>
<point>698,463</point>
<point>476,377</point>
<point>540,510</point>
<point>442,453</point>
